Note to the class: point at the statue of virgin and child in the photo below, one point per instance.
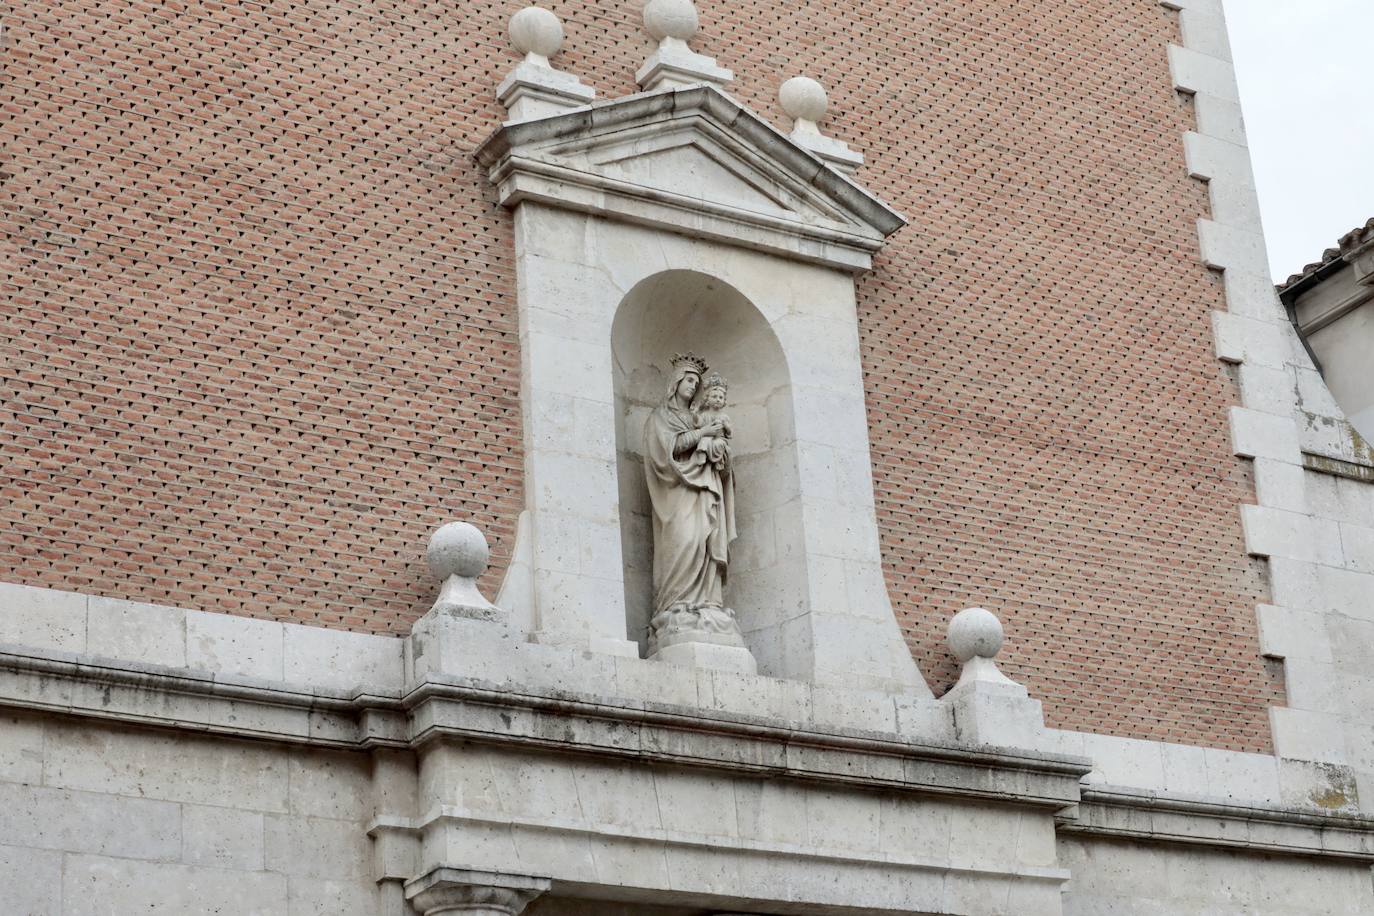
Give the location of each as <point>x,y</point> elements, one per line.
<point>687,464</point>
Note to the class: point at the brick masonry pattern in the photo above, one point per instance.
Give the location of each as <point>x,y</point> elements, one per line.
<point>259,333</point>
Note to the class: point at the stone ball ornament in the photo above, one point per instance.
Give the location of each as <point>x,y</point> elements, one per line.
<point>457,549</point>
<point>803,99</point>
<point>671,19</point>
<point>537,31</point>
<point>974,632</point>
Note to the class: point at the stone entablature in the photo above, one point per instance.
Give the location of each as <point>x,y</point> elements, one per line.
<point>623,779</point>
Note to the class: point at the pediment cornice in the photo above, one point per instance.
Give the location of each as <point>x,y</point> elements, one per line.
<point>694,161</point>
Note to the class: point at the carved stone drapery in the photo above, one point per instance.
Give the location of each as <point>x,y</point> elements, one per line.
<point>692,490</point>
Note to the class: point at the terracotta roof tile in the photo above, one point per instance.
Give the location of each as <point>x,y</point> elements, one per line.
<point>1348,242</point>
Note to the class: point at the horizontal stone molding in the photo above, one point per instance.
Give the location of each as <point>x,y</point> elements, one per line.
<point>175,698</point>
<point>563,160</point>
<point>145,694</point>
<point>746,854</point>
<point>665,734</point>
<point>1119,812</point>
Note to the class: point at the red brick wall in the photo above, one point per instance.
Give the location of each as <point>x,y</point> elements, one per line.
<point>259,329</point>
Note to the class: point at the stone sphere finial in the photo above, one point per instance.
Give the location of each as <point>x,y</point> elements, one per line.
<point>803,99</point>
<point>975,632</point>
<point>457,549</point>
<point>536,31</point>
<point>676,19</point>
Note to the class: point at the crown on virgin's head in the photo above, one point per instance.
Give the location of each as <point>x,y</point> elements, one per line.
<point>689,360</point>
<point>715,380</point>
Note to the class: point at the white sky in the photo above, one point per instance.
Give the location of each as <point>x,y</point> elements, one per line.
<point>1305,68</point>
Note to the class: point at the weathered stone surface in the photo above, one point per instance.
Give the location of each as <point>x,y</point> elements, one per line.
<point>223,644</point>
<point>21,748</point>
<point>42,618</point>
<point>222,838</point>
<point>168,766</point>
<point>336,849</point>
<point>97,886</point>
<point>91,822</point>
<point>32,879</point>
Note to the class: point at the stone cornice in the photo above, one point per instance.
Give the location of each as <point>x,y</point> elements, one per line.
<point>180,698</point>
<point>152,695</point>
<point>668,734</point>
<point>471,711</point>
<point>837,222</point>
<point>1129,813</point>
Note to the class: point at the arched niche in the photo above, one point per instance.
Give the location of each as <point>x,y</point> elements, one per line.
<point>680,310</point>
<point>750,263</point>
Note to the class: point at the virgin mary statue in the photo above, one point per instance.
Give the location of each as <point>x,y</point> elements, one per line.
<point>686,464</point>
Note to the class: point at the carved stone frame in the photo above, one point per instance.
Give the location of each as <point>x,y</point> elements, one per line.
<point>686,179</point>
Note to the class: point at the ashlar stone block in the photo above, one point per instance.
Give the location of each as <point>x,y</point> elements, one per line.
<point>226,644</point>
<point>133,631</point>
<point>21,748</point>
<point>98,886</point>
<point>316,847</point>
<point>32,879</point>
<point>42,618</point>
<point>222,838</point>
<point>91,822</point>
<point>1198,72</point>
<point>178,767</point>
<point>1303,734</point>
<point>1256,434</point>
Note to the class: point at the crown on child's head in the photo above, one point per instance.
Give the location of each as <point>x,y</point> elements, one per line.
<point>715,380</point>
<point>689,360</point>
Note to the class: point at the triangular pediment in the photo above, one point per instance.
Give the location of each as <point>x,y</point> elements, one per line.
<point>694,161</point>
<point>695,158</point>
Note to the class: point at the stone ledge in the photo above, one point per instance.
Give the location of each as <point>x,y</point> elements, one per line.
<point>1121,812</point>
<point>245,707</point>
<point>251,708</point>
<point>654,732</point>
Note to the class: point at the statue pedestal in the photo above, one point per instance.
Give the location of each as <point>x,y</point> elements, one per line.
<point>736,659</point>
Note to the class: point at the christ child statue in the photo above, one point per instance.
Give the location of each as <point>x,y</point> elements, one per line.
<point>714,446</point>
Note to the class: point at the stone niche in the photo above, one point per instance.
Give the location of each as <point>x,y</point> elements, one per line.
<point>677,220</point>
<point>684,310</point>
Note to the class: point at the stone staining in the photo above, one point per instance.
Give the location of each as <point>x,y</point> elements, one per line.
<point>692,491</point>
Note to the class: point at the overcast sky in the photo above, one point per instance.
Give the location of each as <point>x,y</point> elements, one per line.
<point>1305,69</point>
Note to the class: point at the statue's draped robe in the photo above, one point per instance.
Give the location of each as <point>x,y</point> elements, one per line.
<point>694,515</point>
